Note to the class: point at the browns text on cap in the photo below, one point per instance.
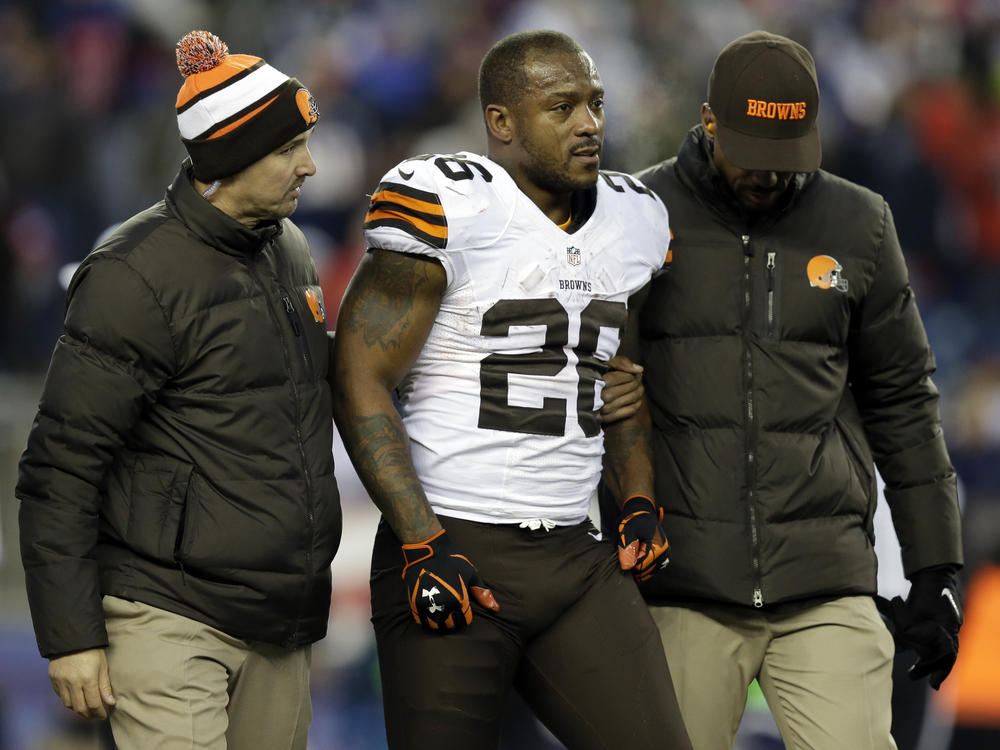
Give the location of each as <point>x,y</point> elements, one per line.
<point>765,98</point>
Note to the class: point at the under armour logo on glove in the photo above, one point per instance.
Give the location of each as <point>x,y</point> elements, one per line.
<point>440,585</point>
<point>641,541</point>
<point>430,595</point>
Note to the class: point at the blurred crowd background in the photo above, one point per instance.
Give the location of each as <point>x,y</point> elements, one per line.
<point>910,107</point>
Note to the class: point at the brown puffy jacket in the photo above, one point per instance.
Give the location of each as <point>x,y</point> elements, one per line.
<point>782,357</point>
<point>182,452</point>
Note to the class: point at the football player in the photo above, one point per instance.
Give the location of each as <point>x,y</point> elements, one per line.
<point>494,292</point>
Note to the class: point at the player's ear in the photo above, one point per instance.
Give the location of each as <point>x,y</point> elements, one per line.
<point>499,123</point>
<point>708,120</point>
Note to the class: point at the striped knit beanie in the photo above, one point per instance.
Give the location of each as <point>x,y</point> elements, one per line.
<point>235,109</point>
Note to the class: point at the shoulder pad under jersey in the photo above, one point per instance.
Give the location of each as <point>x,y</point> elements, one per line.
<point>438,202</point>
<point>648,220</point>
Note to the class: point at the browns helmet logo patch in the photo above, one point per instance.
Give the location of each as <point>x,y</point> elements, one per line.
<point>316,306</point>
<point>307,106</point>
<point>825,272</point>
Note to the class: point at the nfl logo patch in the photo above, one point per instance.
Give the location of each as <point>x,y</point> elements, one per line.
<point>573,255</point>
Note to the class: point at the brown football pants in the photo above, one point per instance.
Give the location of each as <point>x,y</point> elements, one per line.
<point>573,637</point>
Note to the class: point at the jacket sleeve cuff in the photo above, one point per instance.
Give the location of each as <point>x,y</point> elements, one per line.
<point>66,617</point>
<point>928,523</point>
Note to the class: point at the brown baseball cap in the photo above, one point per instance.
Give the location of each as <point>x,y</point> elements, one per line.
<point>765,98</point>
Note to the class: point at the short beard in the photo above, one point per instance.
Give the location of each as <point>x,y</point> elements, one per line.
<point>548,177</point>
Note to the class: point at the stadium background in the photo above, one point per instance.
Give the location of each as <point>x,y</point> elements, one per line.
<point>910,92</point>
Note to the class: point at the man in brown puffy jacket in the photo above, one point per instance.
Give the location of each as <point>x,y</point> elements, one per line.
<point>179,511</point>
<point>784,356</point>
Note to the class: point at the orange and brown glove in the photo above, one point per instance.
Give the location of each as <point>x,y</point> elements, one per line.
<point>439,582</point>
<point>642,545</point>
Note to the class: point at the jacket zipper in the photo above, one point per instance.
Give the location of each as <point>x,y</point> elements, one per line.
<point>303,346</point>
<point>300,442</point>
<point>770,294</point>
<point>758,596</point>
<point>293,318</point>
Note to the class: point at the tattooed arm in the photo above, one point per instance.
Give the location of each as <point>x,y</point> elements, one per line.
<point>384,320</point>
<point>628,443</point>
<point>628,471</point>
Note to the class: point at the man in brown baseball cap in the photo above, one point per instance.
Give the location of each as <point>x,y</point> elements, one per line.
<point>760,118</point>
<point>785,359</point>
<point>765,98</point>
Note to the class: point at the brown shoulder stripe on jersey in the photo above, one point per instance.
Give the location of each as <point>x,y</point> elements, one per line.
<point>416,212</point>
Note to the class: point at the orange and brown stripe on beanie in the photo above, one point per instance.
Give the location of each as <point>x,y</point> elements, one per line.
<point>235,109</point>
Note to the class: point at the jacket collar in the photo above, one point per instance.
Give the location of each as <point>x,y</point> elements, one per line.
<point>698,171</point>
<point>211,225</point>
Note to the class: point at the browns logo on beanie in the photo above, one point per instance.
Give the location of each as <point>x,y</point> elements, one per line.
<point>235,109</point>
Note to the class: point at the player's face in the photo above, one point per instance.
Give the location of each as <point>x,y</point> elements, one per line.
<point>755,191</point>
<point>269,188</point>
<point>560,123</point>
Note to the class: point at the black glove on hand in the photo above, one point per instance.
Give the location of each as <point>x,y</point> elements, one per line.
<point>641,541</point>
<point>438,583</point>
<point>927,622</point>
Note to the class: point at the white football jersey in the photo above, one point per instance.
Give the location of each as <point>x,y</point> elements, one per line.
<point>501,404</point>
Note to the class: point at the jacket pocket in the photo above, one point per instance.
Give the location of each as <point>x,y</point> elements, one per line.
<point>861,460</point>
<point>157,498</point>
<point>231,525</point>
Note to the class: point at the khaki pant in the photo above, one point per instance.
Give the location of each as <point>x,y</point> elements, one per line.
<point>182,684</point>
<point>826,672</point>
